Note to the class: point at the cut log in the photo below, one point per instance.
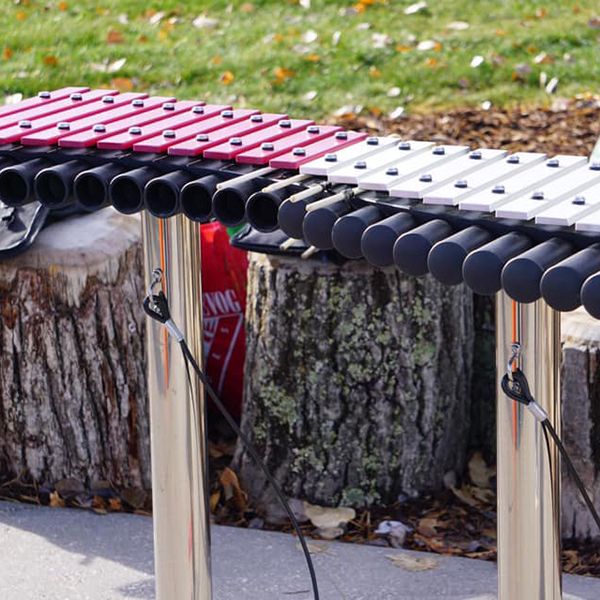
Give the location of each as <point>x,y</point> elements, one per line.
<point>357,381</point>
<point>73,400</point>
<point>580,391</point>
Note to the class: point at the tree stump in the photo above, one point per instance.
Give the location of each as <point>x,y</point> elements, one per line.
<point>73,400</point>
<point>357,381</point>
<point>580,391</point>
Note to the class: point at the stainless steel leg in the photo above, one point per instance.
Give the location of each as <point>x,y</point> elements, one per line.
<point>528,487</point>
<point>177,412</point>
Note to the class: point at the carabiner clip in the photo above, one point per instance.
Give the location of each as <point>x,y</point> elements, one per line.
<point>515,353</point>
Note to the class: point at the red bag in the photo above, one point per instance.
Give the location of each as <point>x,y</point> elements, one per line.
<point>224,304</point>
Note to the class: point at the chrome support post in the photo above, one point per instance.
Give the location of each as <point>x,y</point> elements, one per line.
<point>177,417</point>
<point>529,566</point>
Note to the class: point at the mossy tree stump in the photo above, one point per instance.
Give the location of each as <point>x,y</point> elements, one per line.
<point>73,401</point>
<point>357,381</point>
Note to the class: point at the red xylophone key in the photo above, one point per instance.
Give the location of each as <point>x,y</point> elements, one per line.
<point>203,141</point>
<point>43,99</point>
<point>292,160</point>
<point>234,146</point>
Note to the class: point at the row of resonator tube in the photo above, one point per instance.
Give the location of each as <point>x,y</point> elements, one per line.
<point>554,270</point>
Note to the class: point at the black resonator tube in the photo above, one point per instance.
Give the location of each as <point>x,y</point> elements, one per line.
<point>377,243</point>
<point>590,295</point>
<point>561,285</point>
<point>54,185</point>
<point>445,261</point>
<point>16,182</point>
<point>348,230</point>
<point>521,275</point>
<point>229,203</point>
<point>196,198</point>
<point>482,269</point>
<point>291,217</point>
<point>262,209</point>
<point>91,187</point>
<point>318,224</point>
<point>126,191</point>
<point>162,195</point>
<point>411,249</point>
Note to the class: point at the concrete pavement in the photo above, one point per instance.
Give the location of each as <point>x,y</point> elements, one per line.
<point>68,554</point>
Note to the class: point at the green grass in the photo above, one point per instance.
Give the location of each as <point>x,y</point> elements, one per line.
<point>48,43</point>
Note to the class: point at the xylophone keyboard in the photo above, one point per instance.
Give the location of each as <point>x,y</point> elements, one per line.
<point>522,222</point>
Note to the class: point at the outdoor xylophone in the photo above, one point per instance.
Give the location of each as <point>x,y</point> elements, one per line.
<point>522,223</point>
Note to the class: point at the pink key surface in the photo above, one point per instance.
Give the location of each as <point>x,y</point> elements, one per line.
<point>201,142</point>
<point>68,103</point>
<point>27,126</point>
<point>261,155</point>
<point>214,120</point>
<point>122,106</point>
<point>236,145</point>
<point>42,99</point>
<point>135,134</point>
<point>90,136</point>
<point>292,160</point>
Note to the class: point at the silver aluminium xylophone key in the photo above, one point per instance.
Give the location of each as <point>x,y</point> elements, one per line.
<point>574,207</point>
<point>326,164</point>
<point>589,222</point>
<point>425,182</point>
<point>352,173</point>
<point>501,193</point>
<point>383,178</point>
<point>530,204</point>
<point>451,194</point>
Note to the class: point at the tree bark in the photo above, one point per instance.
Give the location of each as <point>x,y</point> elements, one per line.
<point>357,381</point>
<point>73,400</point>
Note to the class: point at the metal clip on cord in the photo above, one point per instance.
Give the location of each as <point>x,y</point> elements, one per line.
<point>157,307</point>
<point>515,386</point>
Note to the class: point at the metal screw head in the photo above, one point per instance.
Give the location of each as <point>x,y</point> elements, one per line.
<point>138,102</point>
<point>63,126</point>
<point>373,141</point>
<point>76,96</point>
<point>168,106</point>
<point>285,123</point>
<point>360,164</point>
<point>313,129</point>
<point>537,195</point>
<point>579,200</point>
<point>255,118</point>
<point>202,137</point>
<point>99,128</point>
<point>513,159</point>
<point>25,124</point>
<point>553,162</point>
<point>498,189</point>
<point>169,133</point>
<point>475,155</point>
<point>426,178</point>
<point>439,150</point>
<point>135,130</point>
<point>198,110</point>
<point>227,114</point>
<point>268,146</point>
<point>44,95</point>
<point>461,183</point>
<point>341,135</point>
<point>299,152</point>
<point>235,141</point>
<point>404,146</point>
<point>108,99</point>
<point>331,157</point>
<point>392,171</point>
<point>595,166</point>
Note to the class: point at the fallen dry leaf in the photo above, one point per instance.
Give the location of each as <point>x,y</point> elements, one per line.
<point>479,473</point>
<point>227,77</point>
<point>56,501</point>
<point>114,37</point>
<point>7,53</point>
<point>123,84</point>
<point>325,517</point>
<point>50,60</point>
<point>412,563</point>
<point>315,548</point>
